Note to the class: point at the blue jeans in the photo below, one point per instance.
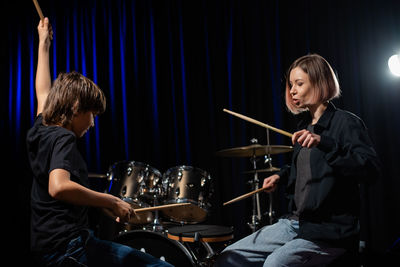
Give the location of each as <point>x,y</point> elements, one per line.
<point>276,245</point>
<point>87,250</point>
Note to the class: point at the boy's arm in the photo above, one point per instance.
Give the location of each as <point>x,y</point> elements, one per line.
<point>43,80</point>
<point>61,187</point>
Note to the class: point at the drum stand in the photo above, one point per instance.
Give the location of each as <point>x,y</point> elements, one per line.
<point>256,216</point>
<point>156,225</point>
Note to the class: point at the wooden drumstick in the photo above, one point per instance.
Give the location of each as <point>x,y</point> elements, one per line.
<point>245,196</point>
<point>111,215</point>
<point>258,123</point>
<point>38,9</point>
<point>162,207</point>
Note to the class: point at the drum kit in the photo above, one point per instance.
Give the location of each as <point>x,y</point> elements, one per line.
<point>184,191</point>
<point>169,208</point>
<point>181,197</point>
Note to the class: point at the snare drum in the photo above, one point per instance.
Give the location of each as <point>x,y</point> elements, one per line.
<point>201,233</point>
<point>207,241</point>
<point>186,184</point>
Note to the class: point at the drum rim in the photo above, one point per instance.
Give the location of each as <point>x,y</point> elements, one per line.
<point>191,201</point>
<point>136,163</point>
<point>190,236</point>
<point>159,235</point>
<point>206,226</point>
<point>201,239</point>
<point>186,167</point>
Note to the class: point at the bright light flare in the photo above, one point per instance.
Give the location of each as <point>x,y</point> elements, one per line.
<point>394,65</point>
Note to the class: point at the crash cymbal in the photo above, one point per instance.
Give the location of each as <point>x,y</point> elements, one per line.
<point>254,150</point>
<point>270,169</point>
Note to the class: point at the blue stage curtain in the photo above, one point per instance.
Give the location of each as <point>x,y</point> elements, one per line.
<point>168,68</point>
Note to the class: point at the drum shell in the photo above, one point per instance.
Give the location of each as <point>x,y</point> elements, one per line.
<point>159,246</point>
<point>187,184</point>
<point>136,183</point>
<point>201,232</point>
<point>134,180</point>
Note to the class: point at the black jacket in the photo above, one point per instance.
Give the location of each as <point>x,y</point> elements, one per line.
<point>344,158</point>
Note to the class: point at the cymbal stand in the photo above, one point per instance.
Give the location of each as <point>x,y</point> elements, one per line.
<point>256,216</point>
<point>268,159</point>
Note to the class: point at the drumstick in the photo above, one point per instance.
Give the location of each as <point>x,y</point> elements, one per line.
<point>245,196</point>
<point>258,123</point>
<point>161,207</point>
<point>96,175</point>
<point>110,213</point>
<point>39,11</point>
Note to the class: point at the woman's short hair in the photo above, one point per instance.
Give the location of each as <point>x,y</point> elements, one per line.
<point>322,79</point>
<point>70,94</point>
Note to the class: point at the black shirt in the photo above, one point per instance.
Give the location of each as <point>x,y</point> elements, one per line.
<point>344,158</point>
<point>54,222</point>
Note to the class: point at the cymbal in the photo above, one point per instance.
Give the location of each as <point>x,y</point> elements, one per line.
<point>254,150</point>
<point>270,169</point>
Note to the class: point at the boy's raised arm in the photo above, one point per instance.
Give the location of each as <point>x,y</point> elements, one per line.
<point>43,79</point>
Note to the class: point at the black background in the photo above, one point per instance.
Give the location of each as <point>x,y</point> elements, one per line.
<point>250,45</point>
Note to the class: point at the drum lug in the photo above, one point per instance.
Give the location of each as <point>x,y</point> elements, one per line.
<point>140,177</point>
<point>129,171</point>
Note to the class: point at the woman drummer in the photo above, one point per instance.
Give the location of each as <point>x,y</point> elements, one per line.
<point>332,155</point>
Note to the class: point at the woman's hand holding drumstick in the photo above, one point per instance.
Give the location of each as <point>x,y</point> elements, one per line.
<point>258,123</point>
<point>271,182</point>
<point>303,137</point>
<point>269,185</point>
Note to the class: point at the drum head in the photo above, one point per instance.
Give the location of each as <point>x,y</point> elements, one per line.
<point>185,214</point>
<point>203,233</point>
<point>157,245</point>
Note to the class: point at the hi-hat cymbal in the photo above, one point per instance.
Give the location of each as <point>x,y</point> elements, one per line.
<point>254,150</point>
<point>269,169</point>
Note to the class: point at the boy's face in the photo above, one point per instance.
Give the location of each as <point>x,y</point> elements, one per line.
<point>82,122</point>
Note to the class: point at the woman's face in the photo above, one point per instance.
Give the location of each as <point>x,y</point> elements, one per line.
<point>82,122</point>
<point>301,90</point>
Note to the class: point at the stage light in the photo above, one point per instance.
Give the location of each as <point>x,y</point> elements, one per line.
<point>394,65</point>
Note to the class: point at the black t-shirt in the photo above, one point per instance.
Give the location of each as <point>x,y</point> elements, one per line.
<point>304,177</point>
<point>54,222</point>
